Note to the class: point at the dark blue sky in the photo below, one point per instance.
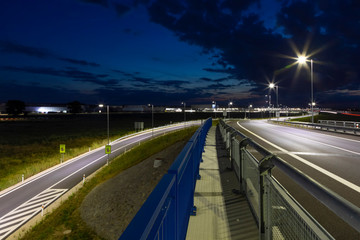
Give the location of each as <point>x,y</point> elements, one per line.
<point>169,51</point>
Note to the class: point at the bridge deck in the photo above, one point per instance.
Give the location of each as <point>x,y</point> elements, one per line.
<point>222,213</point>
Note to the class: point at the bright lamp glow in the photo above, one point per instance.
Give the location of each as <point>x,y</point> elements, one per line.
<point>271,85</point>
<point>302,59</point>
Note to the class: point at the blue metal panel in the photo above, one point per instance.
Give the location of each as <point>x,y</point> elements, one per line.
<point>166,212</point>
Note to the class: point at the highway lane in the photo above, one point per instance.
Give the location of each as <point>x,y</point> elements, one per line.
<point>331,159</point>
<point>20,204</point>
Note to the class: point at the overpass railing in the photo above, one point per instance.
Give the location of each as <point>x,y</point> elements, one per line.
<point>165,214</point>
<point>278,214</point>
<point>347,124</point>
<point>331,126</point>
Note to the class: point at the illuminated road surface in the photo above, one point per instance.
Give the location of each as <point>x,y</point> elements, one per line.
<point>20,204</point>
<point>332,159</point>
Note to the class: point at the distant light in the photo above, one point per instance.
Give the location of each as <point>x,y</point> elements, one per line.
<point>271,85</point>
<point>231,103</point>
<point>101,105</point>
<point>302,59</point>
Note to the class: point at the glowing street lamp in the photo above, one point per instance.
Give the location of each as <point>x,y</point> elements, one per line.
<point>303,60</point>
<point>152,119</point>
<point>214,107</point>
<point>230,105</point>
<point>272,86</point>
<point>184,103</point>
<point>108,123</point>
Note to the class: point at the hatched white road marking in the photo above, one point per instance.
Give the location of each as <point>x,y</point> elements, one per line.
<point>17,217</point>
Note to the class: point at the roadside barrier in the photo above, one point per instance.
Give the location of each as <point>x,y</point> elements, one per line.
<point>278,214</point>
<point>165,214</point>
<point>325,125</point>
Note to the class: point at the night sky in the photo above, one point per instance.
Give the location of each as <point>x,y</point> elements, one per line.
<point>168,51</point>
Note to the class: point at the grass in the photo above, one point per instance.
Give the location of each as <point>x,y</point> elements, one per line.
<point>67,216</point>
<point>31,146</point>
<point>328,116</point>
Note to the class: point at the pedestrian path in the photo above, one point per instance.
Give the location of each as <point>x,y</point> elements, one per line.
<point>222,213</point>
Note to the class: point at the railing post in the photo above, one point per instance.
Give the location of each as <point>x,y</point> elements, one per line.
<point>265,166</point>
<point>242,147</point>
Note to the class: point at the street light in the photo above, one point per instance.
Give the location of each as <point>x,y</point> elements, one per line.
<point>184,103</point>
<point>250,106</point>
<point>152,119</point>
<point>214,107</point>
<point>230,104</point>
<point>108,126</point>
<point>271,86</point>
<point>303,60</point>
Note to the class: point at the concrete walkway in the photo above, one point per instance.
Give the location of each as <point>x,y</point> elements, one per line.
<point>222,213</point>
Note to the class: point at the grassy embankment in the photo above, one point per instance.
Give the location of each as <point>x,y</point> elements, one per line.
<point>328,116</point>
<point>29,147</point>
<point>67,216</point>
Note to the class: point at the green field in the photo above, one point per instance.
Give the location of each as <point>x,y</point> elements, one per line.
<point>328,116</point>
<point>67,216</point>
<point>31,146</point>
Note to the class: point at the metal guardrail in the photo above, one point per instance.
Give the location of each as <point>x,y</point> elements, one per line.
<point>324,127</point>
<point>165,214</point>
<point>347,124</point>
<point>278,214</point>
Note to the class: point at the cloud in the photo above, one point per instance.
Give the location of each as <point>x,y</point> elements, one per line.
<point>80,62</point>
<point>10,47</point>
<point>111,82</point>
<point>103,3</point>
<point>121,9</point>
<point>37,93</point>
<point>247,50</point>
<point>70,73</point>
<point>15,48</point>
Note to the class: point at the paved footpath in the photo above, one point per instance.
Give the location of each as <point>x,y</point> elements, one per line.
<point>221,212</point>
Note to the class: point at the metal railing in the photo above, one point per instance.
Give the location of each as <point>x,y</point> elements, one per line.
<point>278,214</point>
<point>344,127</point>
<point>165,214</point>
<point>347,124</point>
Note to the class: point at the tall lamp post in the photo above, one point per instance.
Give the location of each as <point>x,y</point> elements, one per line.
<point>303,60</point>
<point>108,122</point>
<point>108,125</point>
<point>184,103</point>
<point>230,105</point>
<point>152,119</point>
<point>214,107</point>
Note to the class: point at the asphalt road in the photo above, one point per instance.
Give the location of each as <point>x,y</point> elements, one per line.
<point>331,159</point>
<point>19,205</point>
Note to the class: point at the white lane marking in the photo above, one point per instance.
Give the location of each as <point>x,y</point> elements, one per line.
<point>322,170</point>
<point>342,149</point>
<point>33,205</point>
<point>327,135</point>
<point>18,216</point>
<point>317,154</point>
<point>90,164</point>
<point>118,141</point>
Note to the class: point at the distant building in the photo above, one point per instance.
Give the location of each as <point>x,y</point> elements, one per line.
<point>46,108</point>
<point>173,110</point>
<point>135,108</point>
